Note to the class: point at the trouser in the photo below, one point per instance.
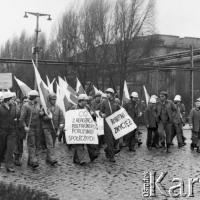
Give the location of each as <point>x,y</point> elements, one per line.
<point>31,143</point>
<point>164,130</point>
<point>130,139</point>
<point>80,154</point>
<point>111,142</point>
<point>196,138</point>
<point>176,131</point>
<point>42,139</point>
<point>37,137</point>
<point>149,137</point>
<point>20,136</point>
<point>50,138</point>
<point>7,146</point>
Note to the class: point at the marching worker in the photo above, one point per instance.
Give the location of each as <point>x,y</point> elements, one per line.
<point>177,123</point>
<point>51,124</point>
<point>150,121</point>
<point>103,97</point>
<point>133,109</point>
<point>165,111</point>
<point>20,136</point>
<point>108,107</point>
<point>9,113</point>
<point>79,153</point>
<point>30,120</point>
<point>96,101</point>
<point>194,123</point>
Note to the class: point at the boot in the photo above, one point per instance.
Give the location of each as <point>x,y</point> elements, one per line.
<point>198,150</point>
<point>181,145</point>
<point>163,147</point>
<point>10,169</point>
<point>192,146</point>
<point>168,148</point>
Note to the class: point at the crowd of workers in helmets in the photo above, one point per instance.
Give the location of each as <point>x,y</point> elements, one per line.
<point>164,119</point>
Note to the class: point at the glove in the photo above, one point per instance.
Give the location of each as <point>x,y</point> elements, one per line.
<point>26,129</point>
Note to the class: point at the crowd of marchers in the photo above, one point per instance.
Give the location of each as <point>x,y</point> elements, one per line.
<point>27,120</point>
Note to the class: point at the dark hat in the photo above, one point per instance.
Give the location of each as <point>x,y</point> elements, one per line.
<point>164,93</point>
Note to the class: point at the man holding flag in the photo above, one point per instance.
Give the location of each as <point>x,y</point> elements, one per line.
<point>30,120</point>
<point>51,124</point>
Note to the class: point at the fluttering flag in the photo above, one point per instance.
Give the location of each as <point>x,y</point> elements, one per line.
<point>42,88</point>
<point>95,90</point>
<point>126,96</point>
<point>79,87</point>
<point>50,85</point>
<point>147,97</point>
<point>66,85</point>
<point>24,88</point>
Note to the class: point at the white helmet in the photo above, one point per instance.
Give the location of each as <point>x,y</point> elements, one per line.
<point>154,96</point>
<point>152,100</point>
<point>110,90</point>
<point>33,93</point>
<point>134,94</point>
<point>177,98</point>
<point>103,95</point>
<point>83,97</point>
<point>7,95</point>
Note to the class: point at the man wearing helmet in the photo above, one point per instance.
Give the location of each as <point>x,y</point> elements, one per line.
<point>108,107</point>
<point>165,111</point>
<point>79,153</point>
<point>133,109</point>
<point>30,120</point>
<point>51,124</point>
<point>8,116</point>
<point>177,123</point>
<point>150,121</point>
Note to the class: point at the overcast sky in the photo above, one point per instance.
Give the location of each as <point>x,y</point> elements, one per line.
<point>174,17</point>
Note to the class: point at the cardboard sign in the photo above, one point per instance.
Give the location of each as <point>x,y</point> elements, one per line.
<point>120,123</point>
<point>5,80</point>
<point>80,128</point>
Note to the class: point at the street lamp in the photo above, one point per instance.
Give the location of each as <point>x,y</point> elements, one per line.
<point>36,48</point>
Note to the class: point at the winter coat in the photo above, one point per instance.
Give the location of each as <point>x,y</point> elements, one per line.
<point>170,108</point>
<point>150,117</point>
<point>56,112</point>
<point>8,117</point>
<point>194,119</point>
<point>26,117</point>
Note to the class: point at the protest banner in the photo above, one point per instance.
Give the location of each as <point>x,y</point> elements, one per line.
<point>100,124</point>
<point>5,80</point>
<point>80,128</point>
<point>120,123</point>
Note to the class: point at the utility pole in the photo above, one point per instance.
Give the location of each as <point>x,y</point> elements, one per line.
<point>191,77</point>
<point>36,48</point>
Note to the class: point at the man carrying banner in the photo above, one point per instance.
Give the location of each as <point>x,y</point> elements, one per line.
<point>79,153</point>
<point>108,107</point>
<point>133,109</point>
<point>51,124</point>
<point>30,120</point>
<point>9,113</point>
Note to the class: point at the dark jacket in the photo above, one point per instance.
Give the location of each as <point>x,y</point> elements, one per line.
<point>133,109</point>
<point>150,117</point>
<point>109,110</point>
<point>170,107</point>
<point>94,104</point>
<point>194,119</point>
<point>57,119</point>
<point>8,116</point>
<point>26,118</point>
